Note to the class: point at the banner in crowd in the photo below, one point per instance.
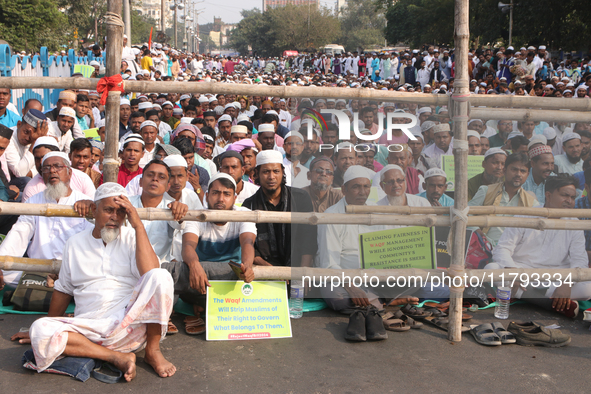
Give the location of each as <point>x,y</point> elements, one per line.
<point>406,247</point>
<point>441,236</point>
<point>474,168</point>
<point>237,310</point>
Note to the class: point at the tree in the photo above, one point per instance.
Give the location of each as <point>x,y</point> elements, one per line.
<point>560,24</point>
<point>31,24</point>
<point>284,28</point>
<point>362,24</point>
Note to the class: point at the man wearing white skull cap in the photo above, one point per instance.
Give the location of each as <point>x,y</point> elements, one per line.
<point>44,237</point>
<point>123,299</point>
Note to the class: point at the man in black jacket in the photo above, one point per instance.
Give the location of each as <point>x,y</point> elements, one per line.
<point>273,245</point>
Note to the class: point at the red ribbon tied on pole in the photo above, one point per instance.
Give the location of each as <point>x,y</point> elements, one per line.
<point>109,84</point>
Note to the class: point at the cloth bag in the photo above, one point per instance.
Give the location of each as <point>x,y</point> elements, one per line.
<point>32,293</point>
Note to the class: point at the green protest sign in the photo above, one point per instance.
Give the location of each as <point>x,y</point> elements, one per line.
<point>474,168</point>
<point>237,310</point>
<point>406,247</point>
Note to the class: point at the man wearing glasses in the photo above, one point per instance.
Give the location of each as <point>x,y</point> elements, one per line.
<point>321,176</point>
<point>393,182</point>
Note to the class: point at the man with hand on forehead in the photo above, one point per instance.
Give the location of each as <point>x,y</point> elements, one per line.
<point>44,237</point>
<point>19,156</point>
<point>435,186</point>
<point>123,299</point>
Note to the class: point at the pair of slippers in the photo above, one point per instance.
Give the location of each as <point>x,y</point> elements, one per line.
<point>193,326</point>
<point>492,334</point>
<point>398,321</point>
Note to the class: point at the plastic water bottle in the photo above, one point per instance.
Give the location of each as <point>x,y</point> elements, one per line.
<point>296,300</point>
<point>503,300</point>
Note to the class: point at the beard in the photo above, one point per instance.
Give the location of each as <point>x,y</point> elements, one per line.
<point>320,187</point>
<point>109,234</point>
<point>397,200</point>
<point>57,191</point>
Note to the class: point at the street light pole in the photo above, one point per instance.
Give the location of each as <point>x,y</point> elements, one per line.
<point>511,23</point>
<point>175,35</point>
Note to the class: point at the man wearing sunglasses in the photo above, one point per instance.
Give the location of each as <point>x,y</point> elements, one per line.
<point>321,176</point>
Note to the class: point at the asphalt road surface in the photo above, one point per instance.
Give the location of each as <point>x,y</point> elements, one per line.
<point>318,360</point>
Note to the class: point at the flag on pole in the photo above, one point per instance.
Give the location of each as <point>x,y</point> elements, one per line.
<point>150,40</point>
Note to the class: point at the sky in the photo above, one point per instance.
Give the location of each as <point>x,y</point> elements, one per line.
<point>229,10</point>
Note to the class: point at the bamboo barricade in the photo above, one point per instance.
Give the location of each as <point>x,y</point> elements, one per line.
<point>476,210</point>
<point>546,103</point>
<point>536,115</point>
<point>287,273</point>
<point>459,107</point>
<point>113,65</point>
<point>312,218</point>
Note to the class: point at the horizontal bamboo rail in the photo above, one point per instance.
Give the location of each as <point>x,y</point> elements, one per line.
<point>478,210</point>
<point>536,115</point>
<point>285,273</point>
<point>312,218</point>
<point>301,91</point>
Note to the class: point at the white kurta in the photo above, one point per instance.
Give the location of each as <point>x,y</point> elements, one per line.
<point>20,161</point>
<point>247,190</point>
<point>44,237</point>
<point>338,244</point>
<point>190,198</point>
<point>160,232</point>
<point>63,140</point>
<point>531,248</point>
<point>114,303</point>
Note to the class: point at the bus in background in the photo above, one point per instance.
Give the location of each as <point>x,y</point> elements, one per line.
<point>332,49</point>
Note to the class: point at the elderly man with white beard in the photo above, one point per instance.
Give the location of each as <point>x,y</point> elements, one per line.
<point>393,182</point>
<point>123,298</point>
<point>46,235</point>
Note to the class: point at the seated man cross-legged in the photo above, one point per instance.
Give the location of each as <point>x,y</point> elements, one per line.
<point>123,299</point>
<point>207,248</point>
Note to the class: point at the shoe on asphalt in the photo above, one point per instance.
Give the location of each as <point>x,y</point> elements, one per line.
<point>356,327</point>
<point>534,334</point>
<point>374,325</point>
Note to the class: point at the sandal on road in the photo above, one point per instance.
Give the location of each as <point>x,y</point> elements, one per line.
<point>443,323</point>
<point>414,312</point>
<point>172,329</point>
<point>506,336</point>
<point>485,334</point>
<point>391,323</point>
<point>194,325</point>
<point>412,323</point>
<point>436,312</point>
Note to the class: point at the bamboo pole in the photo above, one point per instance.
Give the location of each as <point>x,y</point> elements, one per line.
<point>459,105</point>
<point>479,210</point>
<point>583,104</point>
<point>312,218</point>
<point>113,66</point>
<point>537,115</point>
<point>484,276</point>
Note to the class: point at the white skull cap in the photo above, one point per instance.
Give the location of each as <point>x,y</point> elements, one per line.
<point>388,168</point>
<point>354,172</point>
<point>435,172</point>
<point>109,189</point>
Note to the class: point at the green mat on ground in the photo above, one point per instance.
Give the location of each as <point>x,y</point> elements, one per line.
<point>10,309</point>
